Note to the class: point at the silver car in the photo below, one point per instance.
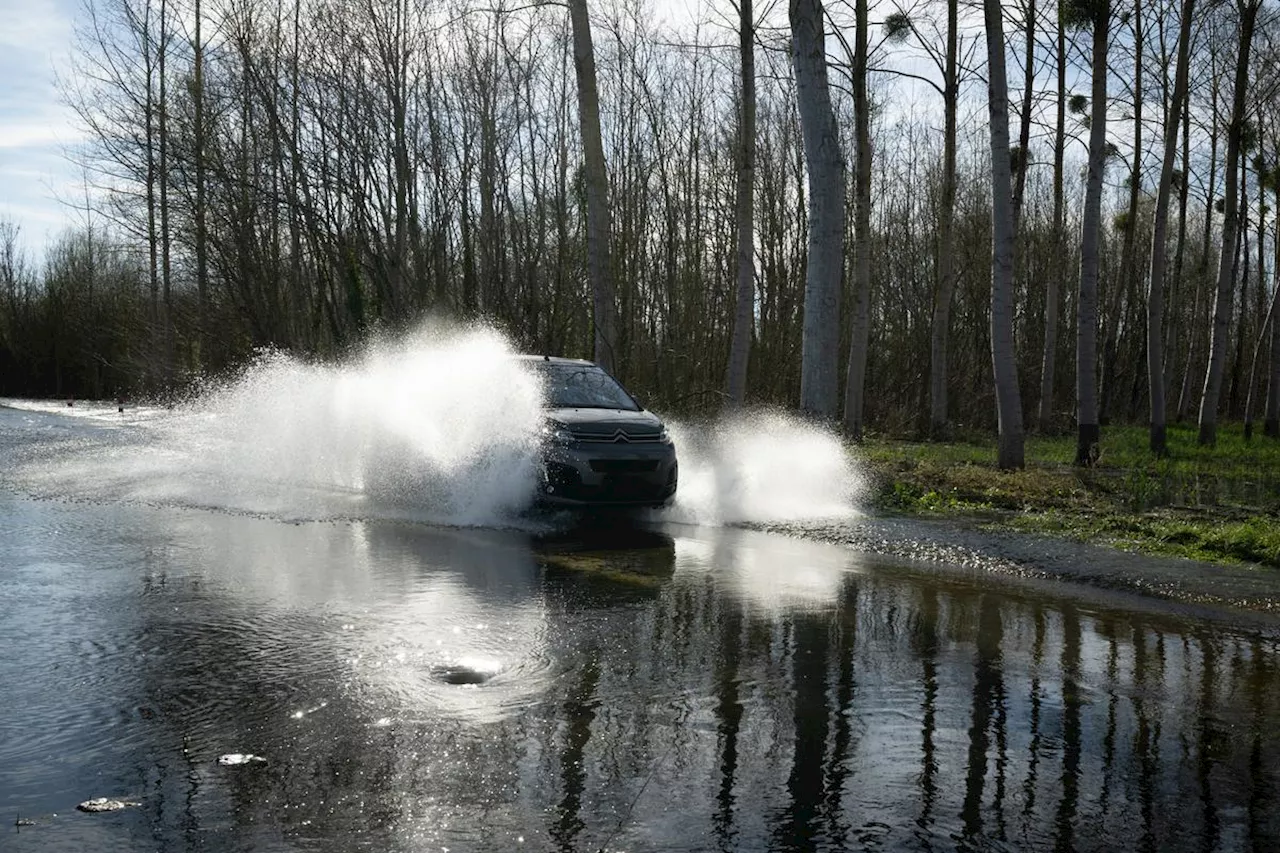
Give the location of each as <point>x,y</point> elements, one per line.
<point>600,447</point>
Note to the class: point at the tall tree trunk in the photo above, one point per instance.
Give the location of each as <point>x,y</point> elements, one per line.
<point>1177,330</point>
<point>1243,264</point>
<point>150,181</point>
<point>856,374</point>
<point>1230,225</point>
<point>604,309</point>
<point>166,263</point>
<point>199,214</point>
<point>1155,290</point>
<point>1004,364</point>
<point>1268,325</point>
<point>1264,309</point>
<point>1024,122</point>
<point>821,336</point>
<point>1125,287</point>
<point>1271,418</point>
<point>944,287</point>
<point>1202,271</point>
<point>398,95</point>
<point>744,308</point>
<point>299,298</point>
<point>1053,288</point>
<point>1088,433</point>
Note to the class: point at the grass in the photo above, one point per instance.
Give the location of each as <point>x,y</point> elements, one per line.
<point>1220,504</point>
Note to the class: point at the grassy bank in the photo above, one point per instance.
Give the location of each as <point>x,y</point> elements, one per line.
<point>1220,503</point>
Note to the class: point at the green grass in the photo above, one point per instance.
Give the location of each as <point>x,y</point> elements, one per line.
<point>1220,503</point>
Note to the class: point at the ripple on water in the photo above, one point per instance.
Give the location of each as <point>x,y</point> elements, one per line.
<point>445,649</point>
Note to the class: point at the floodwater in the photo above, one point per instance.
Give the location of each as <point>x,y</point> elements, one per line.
<point>563,684</point>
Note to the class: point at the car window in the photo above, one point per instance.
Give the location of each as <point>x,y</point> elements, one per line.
<point>578,386</point>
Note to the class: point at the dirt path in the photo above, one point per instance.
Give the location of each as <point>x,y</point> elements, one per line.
<point>975,545</point>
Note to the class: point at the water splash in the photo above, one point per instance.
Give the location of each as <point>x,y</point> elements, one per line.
<point>762,467</point>
<point>443,421</point>
<point>439,426</point>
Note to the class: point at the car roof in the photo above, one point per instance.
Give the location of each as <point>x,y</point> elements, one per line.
<point>553,359</point>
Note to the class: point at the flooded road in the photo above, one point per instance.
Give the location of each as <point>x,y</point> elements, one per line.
<point>682,689</point>
<point>254,679</point>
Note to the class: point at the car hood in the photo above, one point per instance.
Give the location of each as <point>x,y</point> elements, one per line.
<point>605,421</point>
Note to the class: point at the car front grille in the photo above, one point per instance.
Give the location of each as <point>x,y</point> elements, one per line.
<point>624,466</point>
<point>617,437</point>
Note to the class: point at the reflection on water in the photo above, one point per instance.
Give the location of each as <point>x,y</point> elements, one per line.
<point>687,689</point>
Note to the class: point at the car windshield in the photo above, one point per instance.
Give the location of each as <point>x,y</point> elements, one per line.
<point>584,386</point>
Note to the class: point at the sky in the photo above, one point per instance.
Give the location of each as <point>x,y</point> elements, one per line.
<point>35,126</point>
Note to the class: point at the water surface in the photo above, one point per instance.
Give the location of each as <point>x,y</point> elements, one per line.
<point>670,688</point>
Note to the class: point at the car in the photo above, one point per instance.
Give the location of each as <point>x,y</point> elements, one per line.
<point>600,448</point>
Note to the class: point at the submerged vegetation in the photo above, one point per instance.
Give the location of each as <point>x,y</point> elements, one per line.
<point>1220,503</point>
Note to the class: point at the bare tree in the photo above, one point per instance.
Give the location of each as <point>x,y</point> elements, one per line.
<point>947,59</point>
<point>744,302</point>
<point>825,165</point>
<point>1194,337</point>
<point>163,178</point>
<point>1097,15</point>
<point>1023,158</point>
<point>1271,408</point>
<point>1004,366</point>
<point>1248,12</point>
<point>597,183</point>
<point>1052,298</point>
<point>1265,333</point>
<point>1123,291</point>
<point>1159,250</point>
<point>199,213</point>
<point>1271,418</point>
<point>859,339</point>
<point>945,285</point>
<point>15,283</point>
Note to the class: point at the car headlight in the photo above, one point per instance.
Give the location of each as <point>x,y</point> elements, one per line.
<point>664,436</point>
<point>557,434</point>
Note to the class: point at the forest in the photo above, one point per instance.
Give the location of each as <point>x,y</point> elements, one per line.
<point>904,216</point>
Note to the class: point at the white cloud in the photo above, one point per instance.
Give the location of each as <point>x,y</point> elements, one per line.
<point>35,126</point>
<point>35,25</point>
<point>32,134</point>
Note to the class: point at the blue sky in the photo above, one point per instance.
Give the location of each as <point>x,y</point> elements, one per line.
<point>35,126</point>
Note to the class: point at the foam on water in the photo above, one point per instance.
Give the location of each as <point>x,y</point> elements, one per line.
<point>441,425</point>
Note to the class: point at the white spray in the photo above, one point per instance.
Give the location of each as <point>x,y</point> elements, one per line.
<point>763,467</point>
<point>440,426</point>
